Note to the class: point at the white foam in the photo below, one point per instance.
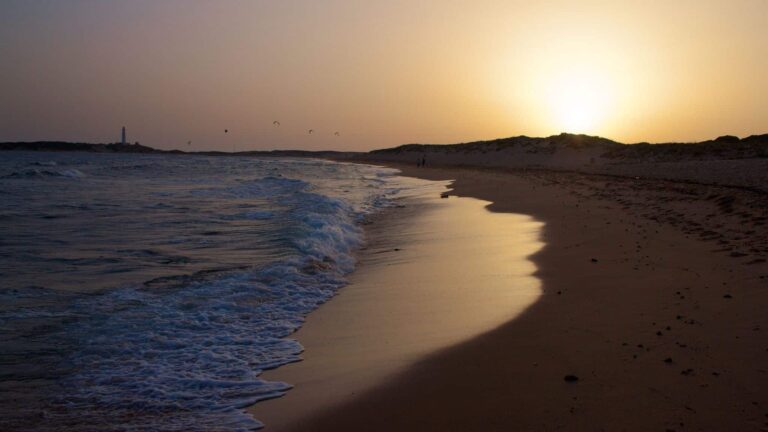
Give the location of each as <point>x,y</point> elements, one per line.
<point>43,173</point>
<point>188,356</point>
<point>195,354</point>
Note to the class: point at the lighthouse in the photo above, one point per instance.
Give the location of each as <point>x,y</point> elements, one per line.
<point>123,135</point>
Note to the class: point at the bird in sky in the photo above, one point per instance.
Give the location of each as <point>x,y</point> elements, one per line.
<point>276,123</point>
<point>310,131</point>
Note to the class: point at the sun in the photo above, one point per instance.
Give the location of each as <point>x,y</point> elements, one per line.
<point>579,100</point>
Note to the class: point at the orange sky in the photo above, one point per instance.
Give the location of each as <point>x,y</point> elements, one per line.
<point>380,73</point>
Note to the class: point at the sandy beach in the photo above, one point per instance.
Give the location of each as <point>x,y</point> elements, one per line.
<point>651,317</point>
<point>435,272</point>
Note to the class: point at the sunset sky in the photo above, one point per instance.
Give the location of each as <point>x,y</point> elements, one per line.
<point>380,73</point>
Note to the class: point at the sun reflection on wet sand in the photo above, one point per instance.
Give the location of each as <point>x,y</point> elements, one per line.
<point>437,272</point>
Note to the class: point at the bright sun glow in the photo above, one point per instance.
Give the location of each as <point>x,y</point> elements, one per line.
<point>579,100</point>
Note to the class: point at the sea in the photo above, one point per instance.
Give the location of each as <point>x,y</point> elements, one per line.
<point>149,292</point>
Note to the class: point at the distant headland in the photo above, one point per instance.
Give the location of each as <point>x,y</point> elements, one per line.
<point>63,146</point>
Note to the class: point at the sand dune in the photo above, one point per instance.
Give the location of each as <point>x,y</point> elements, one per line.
<point>724,161</point>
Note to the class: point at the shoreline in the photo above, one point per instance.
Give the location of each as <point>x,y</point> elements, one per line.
<point>408,298</point>
<point>663,328</point>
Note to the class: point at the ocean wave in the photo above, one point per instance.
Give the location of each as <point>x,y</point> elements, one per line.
<point>70,173</point>
<point>259,188</point>
<point>190,358</point>
<point>180,351</point>
<point>251,215</point>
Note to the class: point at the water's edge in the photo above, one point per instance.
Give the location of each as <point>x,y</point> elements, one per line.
<point>178,352</point>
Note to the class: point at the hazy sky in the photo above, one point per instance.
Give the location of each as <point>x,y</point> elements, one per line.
<point>382,73</point>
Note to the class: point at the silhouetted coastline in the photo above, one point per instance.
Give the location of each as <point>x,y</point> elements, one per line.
<point>63,146</point>
<point>723,147</point>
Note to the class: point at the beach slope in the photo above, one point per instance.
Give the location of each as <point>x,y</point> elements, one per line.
<point>652,317</point>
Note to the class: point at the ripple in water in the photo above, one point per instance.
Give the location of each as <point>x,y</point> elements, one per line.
<point>166,285</point>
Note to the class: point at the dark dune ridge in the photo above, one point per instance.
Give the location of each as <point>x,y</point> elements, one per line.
<point>725,161</point>
<point>724,147</point>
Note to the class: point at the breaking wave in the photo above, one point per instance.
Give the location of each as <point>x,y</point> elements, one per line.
<point>185,352</point>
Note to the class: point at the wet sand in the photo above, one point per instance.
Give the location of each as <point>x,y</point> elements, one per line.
<point>652,317</point>
<point>436,272</point>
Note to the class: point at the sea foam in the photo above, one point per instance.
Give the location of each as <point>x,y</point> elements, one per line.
<point>186,352</point>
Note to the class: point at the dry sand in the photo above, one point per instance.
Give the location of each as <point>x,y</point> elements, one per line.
<point>654,298</point>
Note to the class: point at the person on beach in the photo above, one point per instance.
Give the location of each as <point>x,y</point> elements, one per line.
<point>423,160</point>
